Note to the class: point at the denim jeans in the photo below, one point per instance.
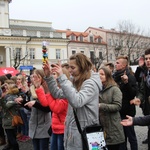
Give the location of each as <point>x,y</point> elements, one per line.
<point>57,142</point>
<point>25,126</point>
<point>41,144</point>
<point>11,135</point>
<point>130,134</point>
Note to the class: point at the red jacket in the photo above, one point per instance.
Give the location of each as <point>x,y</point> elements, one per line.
<point>57,106</point>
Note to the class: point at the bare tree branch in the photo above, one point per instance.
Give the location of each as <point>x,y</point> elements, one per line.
<point>127,39</point>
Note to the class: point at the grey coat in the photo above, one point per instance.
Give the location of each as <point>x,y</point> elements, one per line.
<point>85,103</point>
<point>39,124</point>
<point>110,104</point>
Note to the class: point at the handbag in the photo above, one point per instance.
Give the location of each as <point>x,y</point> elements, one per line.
<point>92,136</point>
<point>16,120</point>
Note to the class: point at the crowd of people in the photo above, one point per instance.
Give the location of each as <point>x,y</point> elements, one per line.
<point>48,98</point>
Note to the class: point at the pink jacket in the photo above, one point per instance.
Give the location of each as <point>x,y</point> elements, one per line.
<point>58,108</point>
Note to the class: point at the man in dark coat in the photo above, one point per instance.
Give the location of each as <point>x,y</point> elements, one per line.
<point>143,98</point>
<point>128,86</point>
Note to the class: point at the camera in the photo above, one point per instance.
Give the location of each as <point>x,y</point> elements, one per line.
<point>53,65</point>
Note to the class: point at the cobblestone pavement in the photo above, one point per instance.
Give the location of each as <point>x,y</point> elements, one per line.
<point>141,133</point>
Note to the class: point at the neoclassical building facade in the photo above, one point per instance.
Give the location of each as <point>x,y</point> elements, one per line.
<point>21,40</point>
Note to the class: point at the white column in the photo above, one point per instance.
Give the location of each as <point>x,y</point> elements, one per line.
<point>7,57</point>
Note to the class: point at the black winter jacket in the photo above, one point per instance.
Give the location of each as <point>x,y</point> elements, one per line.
<point>142,121</point>
<point>129,92</point>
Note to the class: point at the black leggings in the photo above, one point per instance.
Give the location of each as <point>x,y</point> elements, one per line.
<point>11,135</point>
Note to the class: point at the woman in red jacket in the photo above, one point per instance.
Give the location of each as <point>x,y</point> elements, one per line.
<point>59,109</point>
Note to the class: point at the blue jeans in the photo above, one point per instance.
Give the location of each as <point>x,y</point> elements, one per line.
<point>11,135</point>
<point>41,144</point>
<point>25,126</point>
<point>130,134</point>
<point>57,142</point>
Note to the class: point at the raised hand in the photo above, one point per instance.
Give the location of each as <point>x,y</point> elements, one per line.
<point>37,80</point>
<point>135,101</point>
<point>57,68</point>
<point>124,78</point>
<point>47,69</point>
<point>141,62</point>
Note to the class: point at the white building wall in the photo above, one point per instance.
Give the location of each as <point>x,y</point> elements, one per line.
<point>4,14</point>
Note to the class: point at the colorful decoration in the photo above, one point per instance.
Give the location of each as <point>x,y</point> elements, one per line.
<point>44,50</point>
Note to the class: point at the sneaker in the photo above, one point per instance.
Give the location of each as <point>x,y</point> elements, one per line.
<point>27,138</point>
<point>19,138</point>
<point>145,141</point>
<point>22,139</point>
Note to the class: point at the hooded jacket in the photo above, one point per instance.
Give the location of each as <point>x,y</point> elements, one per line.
<point>110,105</point>
<point>85,102</point>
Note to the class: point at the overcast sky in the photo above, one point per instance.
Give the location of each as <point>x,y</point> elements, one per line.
<point>78,15</point>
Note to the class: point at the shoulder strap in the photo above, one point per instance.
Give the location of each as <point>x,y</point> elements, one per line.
<point>84,142</point>
<point>77,122</point>
<point>10,113</point>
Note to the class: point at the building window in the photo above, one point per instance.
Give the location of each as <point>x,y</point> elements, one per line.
<point>117,43</point>
<point>17,53</point>
<point>99,40</point>
<point>91,39</point>
<point>72,37</point>
<point>81,38</point>
<point>92,56</point>
<point>100,55</point>
<point>73,52</point>
<point>32,53</point>
<point>57,53</point>
<point>109,42</point>
<point>82,52</point>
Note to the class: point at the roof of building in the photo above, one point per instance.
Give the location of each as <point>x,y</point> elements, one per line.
<point>102,29</point>
<point>32,28</point>
<point>69,32</point>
